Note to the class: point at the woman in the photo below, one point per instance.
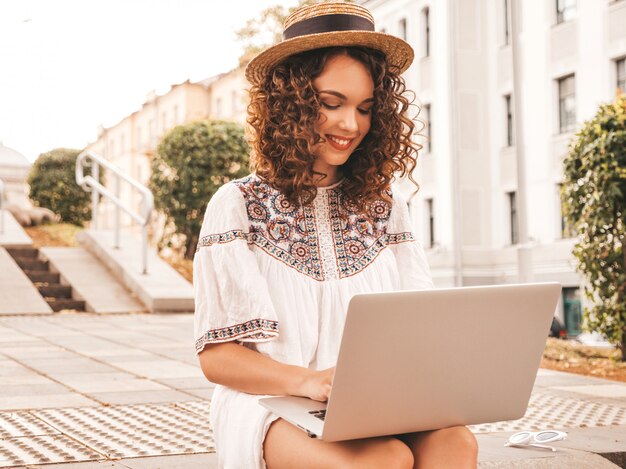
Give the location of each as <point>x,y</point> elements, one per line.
<point>283,250</point>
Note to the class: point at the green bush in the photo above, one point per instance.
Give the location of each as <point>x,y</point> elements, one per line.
<point>191,163</point>
<point>594,199</point>
<point>53,185</point>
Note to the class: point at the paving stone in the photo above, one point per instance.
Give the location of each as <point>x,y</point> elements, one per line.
<point>190,461</point>
<point>160,369</point>
<point>199,382</point>
<point>601,390</point>
<point>117,386</point>
<point>29,390</point>
<point>30,379</point>
<point>140,397</point>
<point>50,401</point>
<point>75,365</point>
<point>201,393</point>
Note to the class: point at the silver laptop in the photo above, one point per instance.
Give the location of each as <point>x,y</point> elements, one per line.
<point>422,360</point>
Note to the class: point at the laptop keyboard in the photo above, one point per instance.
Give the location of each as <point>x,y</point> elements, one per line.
<point>320,414</point>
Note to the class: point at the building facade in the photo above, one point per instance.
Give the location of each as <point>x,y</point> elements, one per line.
<point>131,143</point>
<point>572,60</point>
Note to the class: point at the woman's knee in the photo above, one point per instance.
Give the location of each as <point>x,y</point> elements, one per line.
<point>460,438</point>
<point>386,452</point>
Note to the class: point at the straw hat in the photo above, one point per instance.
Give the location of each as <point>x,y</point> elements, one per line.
<point>328,25</point>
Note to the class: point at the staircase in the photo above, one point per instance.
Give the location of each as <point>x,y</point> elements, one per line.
<point>58,296</point>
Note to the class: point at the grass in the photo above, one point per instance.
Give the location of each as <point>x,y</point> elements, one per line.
<point>56,235</point>
<point>566,355</point>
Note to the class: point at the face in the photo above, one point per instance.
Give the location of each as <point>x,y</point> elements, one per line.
<point>346,93</point>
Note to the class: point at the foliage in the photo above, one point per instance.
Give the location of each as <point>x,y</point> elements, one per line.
<point>594,199</point>
<point>267,29</point>
<point>191,163</point>
<point>52,181</point>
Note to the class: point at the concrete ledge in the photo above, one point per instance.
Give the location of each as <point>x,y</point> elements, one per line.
<point>161,290</point>
<point>91,281</point>
<point>18,295</point>
<point>13,235</point>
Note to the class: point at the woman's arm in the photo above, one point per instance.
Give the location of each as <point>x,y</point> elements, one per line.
<point>240,368</point>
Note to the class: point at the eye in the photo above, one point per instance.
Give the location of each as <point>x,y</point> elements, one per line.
<point>329,106</point>
<point>365,111</point>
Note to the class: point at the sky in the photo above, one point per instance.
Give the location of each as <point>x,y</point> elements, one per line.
<point>68,66</point>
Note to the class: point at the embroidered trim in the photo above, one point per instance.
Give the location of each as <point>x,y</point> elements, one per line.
<point>255,330</point>
<point>221,238</point>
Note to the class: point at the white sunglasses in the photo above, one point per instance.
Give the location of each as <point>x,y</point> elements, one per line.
<point>536,438</point>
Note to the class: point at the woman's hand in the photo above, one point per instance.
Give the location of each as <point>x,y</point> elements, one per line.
<point>317,384</point>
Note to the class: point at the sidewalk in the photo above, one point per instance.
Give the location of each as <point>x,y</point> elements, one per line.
<point>125,391</point>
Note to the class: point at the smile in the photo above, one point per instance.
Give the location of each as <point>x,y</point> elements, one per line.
<point>338,142</point>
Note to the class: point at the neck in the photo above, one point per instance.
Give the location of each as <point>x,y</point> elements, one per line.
<point>326,176</point>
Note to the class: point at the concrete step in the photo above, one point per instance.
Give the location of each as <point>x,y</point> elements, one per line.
<point>18,295</point>
<point>13,234</point>
<point>23,252</point>
<point>55,290</point>
<point>42,276</point>
<point>91,281</point>
<point>59,304</point>
<point>31,263</point>
<point>162,289</point>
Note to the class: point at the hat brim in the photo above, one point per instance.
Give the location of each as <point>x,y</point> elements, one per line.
<point>398,52</point>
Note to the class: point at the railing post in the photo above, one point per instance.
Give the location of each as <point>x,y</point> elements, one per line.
<point>95,195</point>
<point>1,206</point>
<point>117,212</point>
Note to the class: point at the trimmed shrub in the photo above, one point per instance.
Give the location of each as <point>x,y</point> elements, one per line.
<point>52,181</point>
<point>191,163</point>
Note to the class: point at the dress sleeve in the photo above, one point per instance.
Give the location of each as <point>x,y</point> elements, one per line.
<point>232,301</point>
<point>412,265</point>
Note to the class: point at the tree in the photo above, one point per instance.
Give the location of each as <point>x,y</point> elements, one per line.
<point>267,29</point>
<point>594,200</point>
<point>52,181</point>
<point>191,163</point>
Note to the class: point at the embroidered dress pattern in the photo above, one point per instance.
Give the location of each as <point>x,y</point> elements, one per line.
<point>328,240</point>
<point>254,330</point>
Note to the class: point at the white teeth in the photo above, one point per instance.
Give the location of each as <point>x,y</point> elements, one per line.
<point>339,141</point>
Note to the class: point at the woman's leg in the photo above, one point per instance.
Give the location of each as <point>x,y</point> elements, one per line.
<point>454,447</point>
<point>287,447</point>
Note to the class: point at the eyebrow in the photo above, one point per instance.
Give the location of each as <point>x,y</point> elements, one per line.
<point>341,96</point>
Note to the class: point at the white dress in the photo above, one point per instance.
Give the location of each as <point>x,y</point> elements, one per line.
<point>278,278</point>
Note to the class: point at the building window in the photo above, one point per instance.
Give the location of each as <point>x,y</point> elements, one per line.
<point>509,120</point>
<point>122,143</point>
<point>428,144</point>
<point>218,108</point>
<point>507,22</point>
<point>151,128</point>
<point>139,142</point>
<point>565,10</point>
<point>431,222</point>
<point>620,68</point>
<point>175,115</point>
<point>567,104</point>
<point>402,28</point>
<point>426,31</point>
<point>164,125</point>
<point>514,227</point>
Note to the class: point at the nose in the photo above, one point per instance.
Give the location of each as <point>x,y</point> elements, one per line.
<point>348,120</point>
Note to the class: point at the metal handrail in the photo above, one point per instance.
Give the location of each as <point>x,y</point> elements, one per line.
<point>1,206</point>
<point>92,184</point>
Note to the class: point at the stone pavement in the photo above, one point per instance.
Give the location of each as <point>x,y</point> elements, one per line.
<point>121,391</point>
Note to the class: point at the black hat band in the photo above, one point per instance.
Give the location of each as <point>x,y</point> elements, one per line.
<point>327,24</point>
